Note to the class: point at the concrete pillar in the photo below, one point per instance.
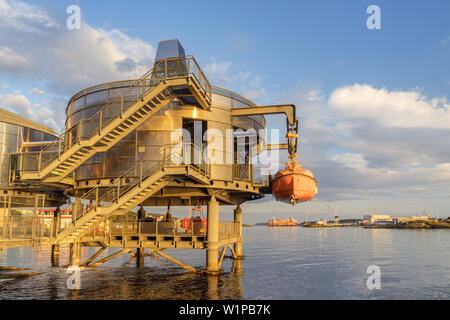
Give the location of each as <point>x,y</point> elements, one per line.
<point>55,255</point>
<point>238,220</point>
<point>140,253</point>
<point>55,247</point>
<point>212,251</point>
<point>75,254</point>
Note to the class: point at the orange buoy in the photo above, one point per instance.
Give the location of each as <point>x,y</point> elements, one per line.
<point>294,185</point>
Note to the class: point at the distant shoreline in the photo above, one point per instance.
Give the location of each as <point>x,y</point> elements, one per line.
<point>423,224</point>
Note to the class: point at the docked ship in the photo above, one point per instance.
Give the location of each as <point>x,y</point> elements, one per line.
<point>291,222</point>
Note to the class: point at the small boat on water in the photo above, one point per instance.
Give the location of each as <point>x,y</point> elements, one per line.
<point>322,224</point>
<point>291,222</point>
<point>294,185</point>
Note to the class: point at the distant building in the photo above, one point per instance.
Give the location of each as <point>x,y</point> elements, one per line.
<point>416,218</point>
<point>377,218</point>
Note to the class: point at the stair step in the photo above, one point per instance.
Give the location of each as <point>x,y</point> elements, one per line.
<point>124,127</point>
<point>118,130</point>
<point>83,151</point>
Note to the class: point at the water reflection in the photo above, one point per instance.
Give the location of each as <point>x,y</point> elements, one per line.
<point>287,263</point>
<point>121,279</point>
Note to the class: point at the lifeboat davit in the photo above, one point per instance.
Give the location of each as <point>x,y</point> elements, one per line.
<point>294,185</point>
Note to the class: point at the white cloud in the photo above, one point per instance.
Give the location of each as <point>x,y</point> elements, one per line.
<point>24,17</point>
<point>351,160</point>
<point>79,59</point>
<point>10,61</point>
<point>254,94</point>
<point>403,109</point>
<point>58,61</point>
<point>37,91</point>
<point>368,143</point>
<point>18,103</point>
<point>221,74</point>
<point>225,74</point>
<point>69,60</point>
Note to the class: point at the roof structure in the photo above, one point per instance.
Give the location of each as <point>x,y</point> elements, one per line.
<point>10,117</point>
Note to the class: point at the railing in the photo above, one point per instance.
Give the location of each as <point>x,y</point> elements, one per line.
<point>193,155</point>
<point>30,227</point>
<point>228,229</point>
<point>170,68</point>
<point>243,172</point>
<point>38,229</point>
<point>251,173</point>
<point>126,182</point>
<point>132,226</point>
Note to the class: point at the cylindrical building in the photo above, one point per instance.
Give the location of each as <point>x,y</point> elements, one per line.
<point>147,142</point>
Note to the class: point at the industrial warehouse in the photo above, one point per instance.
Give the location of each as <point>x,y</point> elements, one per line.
<point>169,138</point>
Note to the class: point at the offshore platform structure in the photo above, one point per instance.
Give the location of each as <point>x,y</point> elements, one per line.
<point>141,142</point>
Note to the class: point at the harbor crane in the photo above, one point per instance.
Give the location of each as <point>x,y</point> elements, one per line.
<point>334,212</point>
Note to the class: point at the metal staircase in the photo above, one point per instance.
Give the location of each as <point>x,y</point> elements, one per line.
<point>119,200</point>
<point>170,78</point>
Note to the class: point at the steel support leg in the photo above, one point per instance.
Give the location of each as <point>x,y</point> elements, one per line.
<point>75,254</point>
<point>86,263</point>
<point>55,247</point>
<point>55,255</point>
<point>238,244</point>
<point>140,255</point>
<point>212,251</point>
<point>96,264</point>
<point>178,262</point>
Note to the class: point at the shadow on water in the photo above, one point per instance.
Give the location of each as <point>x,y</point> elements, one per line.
<point>295,263</point>
<point>120,280</point>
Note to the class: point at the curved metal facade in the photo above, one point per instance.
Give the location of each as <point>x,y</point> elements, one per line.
<point>12,134</point>
<point>147,142</point>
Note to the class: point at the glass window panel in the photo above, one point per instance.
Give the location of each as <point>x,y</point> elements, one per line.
<point>11,128</point>
<point>35,135</point>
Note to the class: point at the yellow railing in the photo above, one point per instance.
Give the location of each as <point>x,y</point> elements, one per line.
<point>38,228</point>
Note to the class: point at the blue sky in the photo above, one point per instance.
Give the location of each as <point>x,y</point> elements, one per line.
<point>373,102</point>
<point>290,41</point>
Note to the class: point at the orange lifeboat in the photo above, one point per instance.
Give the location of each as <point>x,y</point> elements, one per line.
<point>294,185</point>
